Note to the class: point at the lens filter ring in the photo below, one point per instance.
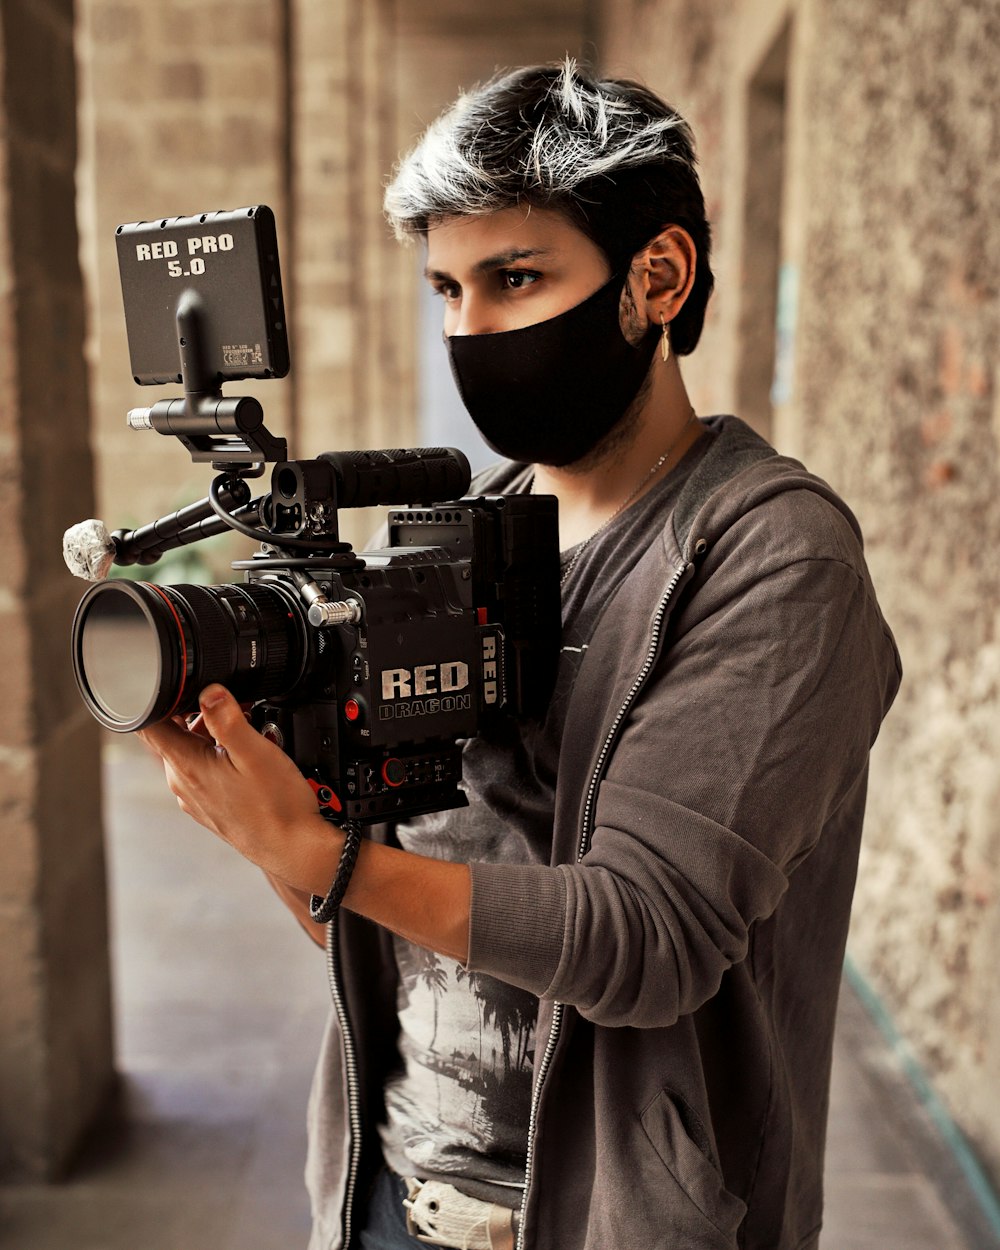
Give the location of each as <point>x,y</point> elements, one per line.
<point>130,651</point>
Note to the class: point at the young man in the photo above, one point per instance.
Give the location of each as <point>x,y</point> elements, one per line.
<point>596,1008</point>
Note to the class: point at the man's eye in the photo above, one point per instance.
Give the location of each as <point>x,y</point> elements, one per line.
<point>518,279</point>
<point>448,291</point>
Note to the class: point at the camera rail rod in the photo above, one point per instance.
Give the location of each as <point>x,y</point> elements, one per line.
<point>188,525</point>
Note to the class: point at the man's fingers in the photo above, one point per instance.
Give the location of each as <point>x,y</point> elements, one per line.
<point>195,724</point>
<point>172,741</point>
<point>226,722</point>
<point>162,736</point>
<point>217,722</point>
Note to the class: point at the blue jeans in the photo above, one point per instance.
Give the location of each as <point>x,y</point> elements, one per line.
<point>384,1224</point>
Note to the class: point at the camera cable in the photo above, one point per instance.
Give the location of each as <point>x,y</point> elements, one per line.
<point>321,545</point>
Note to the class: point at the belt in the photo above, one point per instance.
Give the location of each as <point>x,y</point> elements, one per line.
<point>441,1216</point>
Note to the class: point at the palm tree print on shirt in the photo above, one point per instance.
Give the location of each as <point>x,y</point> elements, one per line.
<point>467,1046</point>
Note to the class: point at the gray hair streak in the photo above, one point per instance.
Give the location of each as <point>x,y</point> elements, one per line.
<point>535,135</point>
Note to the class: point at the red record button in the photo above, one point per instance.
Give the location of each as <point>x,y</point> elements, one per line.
<point>393,772</point>
<point>352,709</point>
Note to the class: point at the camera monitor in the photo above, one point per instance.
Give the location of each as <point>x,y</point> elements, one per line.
<point>230,259</point>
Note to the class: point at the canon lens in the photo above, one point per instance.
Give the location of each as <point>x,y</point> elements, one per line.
<point>143,652</point>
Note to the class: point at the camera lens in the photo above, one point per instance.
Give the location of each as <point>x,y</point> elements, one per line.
<point>143,652</point>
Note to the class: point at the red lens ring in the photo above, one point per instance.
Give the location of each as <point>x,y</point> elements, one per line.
<point>180,633</point>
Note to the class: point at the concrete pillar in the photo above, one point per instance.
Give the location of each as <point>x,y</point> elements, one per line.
<point>55,1018</point>
<point>343,102</point>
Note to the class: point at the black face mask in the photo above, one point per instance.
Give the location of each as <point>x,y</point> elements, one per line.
<point>548,393</point>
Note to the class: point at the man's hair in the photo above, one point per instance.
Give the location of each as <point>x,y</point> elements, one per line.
<point>611,156</point>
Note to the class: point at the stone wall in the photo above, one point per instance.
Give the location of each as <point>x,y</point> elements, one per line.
<point>354,383</point>
<point>900,319</point>
<point>55,1023</point>
<point>880,310</point>
<point>182,111</point>
<point>195,106</point>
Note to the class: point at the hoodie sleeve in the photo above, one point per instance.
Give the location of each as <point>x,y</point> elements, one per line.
<point>753,727</point>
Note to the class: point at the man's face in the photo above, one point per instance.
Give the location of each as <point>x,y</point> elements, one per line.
<point>511,269</point>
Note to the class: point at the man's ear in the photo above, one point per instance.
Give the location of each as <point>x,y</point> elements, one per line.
<point>664,271</point>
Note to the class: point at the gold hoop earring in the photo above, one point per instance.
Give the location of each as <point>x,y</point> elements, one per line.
<point>665,339</point>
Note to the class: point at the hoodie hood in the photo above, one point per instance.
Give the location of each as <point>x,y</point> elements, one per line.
<point>738,472</point>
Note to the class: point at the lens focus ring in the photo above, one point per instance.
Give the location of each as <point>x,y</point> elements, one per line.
<point>246,637</point>
<point>214,652</point>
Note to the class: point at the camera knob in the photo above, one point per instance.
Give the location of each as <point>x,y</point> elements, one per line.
<point>323,613</point>
<point>139,418</point>
<point>393,772</point>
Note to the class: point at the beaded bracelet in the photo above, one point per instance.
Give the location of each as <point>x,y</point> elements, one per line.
<point>323,910</point>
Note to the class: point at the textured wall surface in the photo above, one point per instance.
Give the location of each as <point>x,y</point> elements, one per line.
<point>193,106</point>
<point>55,1021</point>
<point>887,306</point>
<point>897,381</point>
<point>354,385</point>
<point>182,111</point>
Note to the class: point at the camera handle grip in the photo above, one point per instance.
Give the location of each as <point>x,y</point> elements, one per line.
<point>398,475</point>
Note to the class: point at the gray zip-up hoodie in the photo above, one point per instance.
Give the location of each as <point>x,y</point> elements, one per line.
<point>687,937</point>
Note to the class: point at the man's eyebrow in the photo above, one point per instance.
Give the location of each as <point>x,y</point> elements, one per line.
<point>498,261</point>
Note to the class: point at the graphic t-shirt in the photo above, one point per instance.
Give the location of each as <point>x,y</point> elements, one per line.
<point>457,1109</point>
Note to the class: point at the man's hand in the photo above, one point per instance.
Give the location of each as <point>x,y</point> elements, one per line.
<point>249,793</point>
<point>245,790</point>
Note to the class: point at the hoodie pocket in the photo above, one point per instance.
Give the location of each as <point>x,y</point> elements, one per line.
<point>670,1131</point>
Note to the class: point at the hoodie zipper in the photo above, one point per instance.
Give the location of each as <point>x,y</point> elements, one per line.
<point>585,834</point>
<point>351,1070</point>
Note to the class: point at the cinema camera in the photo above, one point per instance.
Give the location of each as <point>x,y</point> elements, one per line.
<point>367,668</point>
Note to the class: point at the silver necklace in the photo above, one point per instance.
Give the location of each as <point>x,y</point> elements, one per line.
<point>633,495</point>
